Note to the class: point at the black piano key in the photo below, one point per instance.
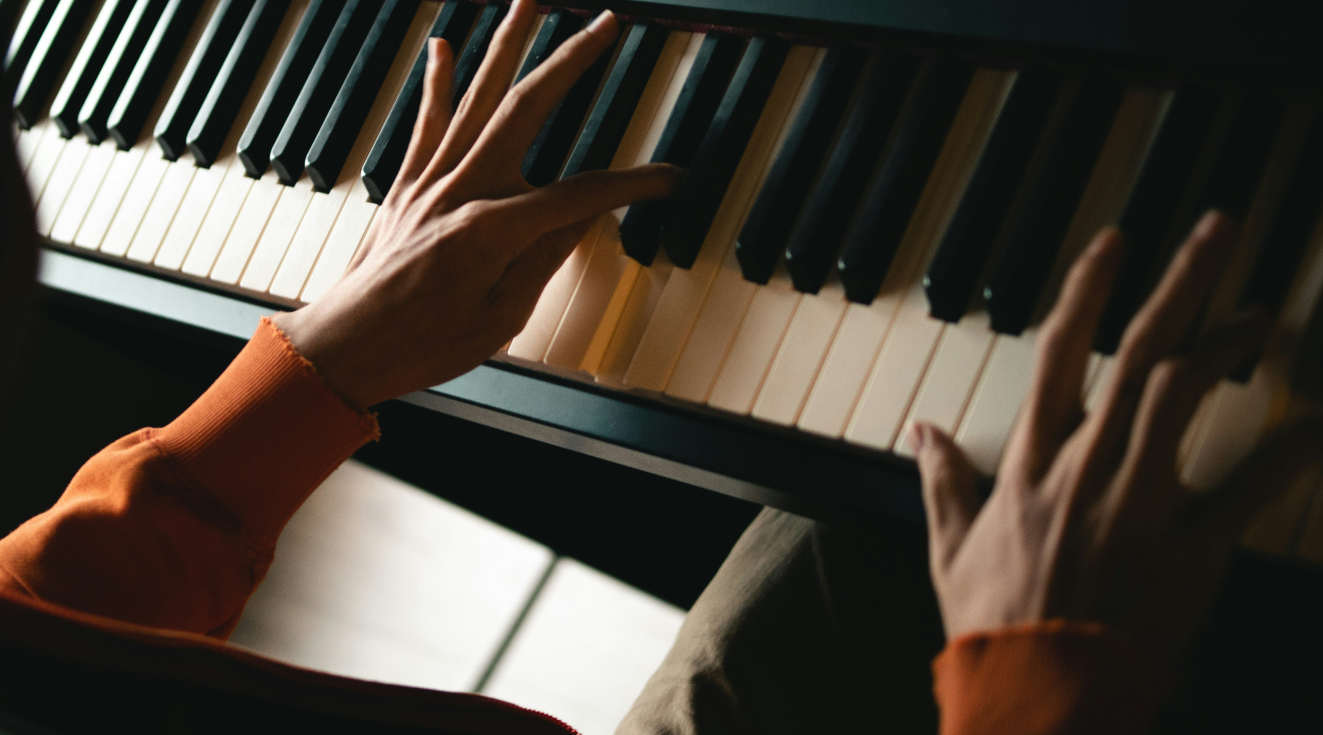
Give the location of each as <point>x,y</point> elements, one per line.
<point>967,242</point>
<point>817,236</point>
<point>555,30</point>
<point>546,156</point>
<point>615,104</point>
<point>1038,227</point>
<point>285,84</point>
<point>148,78</point>
<point>195,82</point>
<point>91,58</point>
<point>387,154</point>
<point>219,109</point>
<point>470,59</point>
<point>49,59</point>
<point>763,238</point>
<point>118,66</point>
<point>27,32</point>
<point>1152,206</point>
<point>329,150</point>
<point>704,186</point>
<point>719,54</point>
<point>328,73</point>
<point>895,189</point>
<point>1236,176</point>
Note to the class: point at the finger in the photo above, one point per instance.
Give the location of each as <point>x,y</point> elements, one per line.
<point>1175,388</point>
<point>583,197</point>
<point>527,275</point>
<point>950,498</point>
<point>434,112</point>
<point>521,115</point>
<point>1227,510</point>
<point>489,86</point>
<point>1158,329</point>
<point>1064,345</point>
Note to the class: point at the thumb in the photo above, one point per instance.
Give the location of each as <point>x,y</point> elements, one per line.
<point>949,490</point>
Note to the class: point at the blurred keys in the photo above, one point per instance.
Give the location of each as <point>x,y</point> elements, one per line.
<point>470,60</point>
<point>31,24</point>
<point>48,59</point>
<point>144,85</point>
<point>114,73</point>
<point>91,59</point>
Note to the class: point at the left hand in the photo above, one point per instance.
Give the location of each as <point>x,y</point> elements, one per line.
<point>461,249</point>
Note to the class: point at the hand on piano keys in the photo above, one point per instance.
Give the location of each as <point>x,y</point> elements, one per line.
<point>871,240</point>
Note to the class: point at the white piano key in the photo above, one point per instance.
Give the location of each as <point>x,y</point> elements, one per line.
<point>608,264</point>
<point>247,228</point>
<point>533,341</point>
<point>28,140</point>
<point>133,206</point>
<point>277,235</point>
<point>44,158</point>
<point>750,353</point>
<point>908,344</point>
<point>191,213</point>
<point>951,376</point>
<point>615,309</point>
<point>995,406</point>
<point>169,196</point>
<point>348,231</point>
<point>219,220</point>
<point>800,355</point>
<point>734,338</point>
<point>325,208</point>
<point>844,372</point>
<point>667,331</point>
<point>114,187</point>
<point>79,201</point>
<point>61,180</point>
<point>644,294</point>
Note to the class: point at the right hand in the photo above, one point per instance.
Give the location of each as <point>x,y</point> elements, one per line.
<point>461,249</point>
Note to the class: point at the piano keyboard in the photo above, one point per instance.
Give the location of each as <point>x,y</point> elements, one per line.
<point>868,237</point>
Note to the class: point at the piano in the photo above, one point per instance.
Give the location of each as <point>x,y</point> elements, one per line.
<point>882,200</point>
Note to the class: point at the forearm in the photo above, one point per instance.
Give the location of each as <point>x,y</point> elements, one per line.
<point>174,527</point>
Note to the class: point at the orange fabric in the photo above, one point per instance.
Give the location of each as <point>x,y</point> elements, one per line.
<point>1052,678</point>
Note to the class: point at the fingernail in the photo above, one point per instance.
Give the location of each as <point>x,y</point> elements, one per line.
<point>1210,223</point>
<point>918,437</point>
<point>601,20</point>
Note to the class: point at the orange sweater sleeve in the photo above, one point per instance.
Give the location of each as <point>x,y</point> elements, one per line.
<point>1053,678</point>
<point>174,527</point>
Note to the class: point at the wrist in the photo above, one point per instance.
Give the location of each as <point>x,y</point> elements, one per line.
<point>317,345</point>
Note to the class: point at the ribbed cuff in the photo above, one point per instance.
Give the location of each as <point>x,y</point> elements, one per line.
<point>1052,677</point>
<point>264,436</point>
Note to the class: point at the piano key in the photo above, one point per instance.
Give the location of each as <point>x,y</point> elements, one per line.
<point>115,72</point>
<point>816,238</point>
<point>324,208</point>
<point>480,38</point>
<point>995,404</point>
<point>48,60</point>
<point>620,347</point>
<point>309,112</point>
<point>387,155</point>
<point>762,242</point>
<point>678,306</point>
<point>700,194</point>
<point>92,56</point>
<point>1280,528</point>
<point>532,343</point>
<point>205,217</point>
<point>799,358</point>
<point>234,81</point>
<point>133,205</point>
<point>968,241</point>
<point>1310,545</point>
<point>44,158</point>
<point>174,184</point>
<point>546,156</point>
<point>1236,177</point>
<point>247,229</point>
<point>361,85</point>
<point>739,325</point>
<point>57,186</point>
<point>1039,227</point>
<point>346,235</point>
<point>1152,207</point>
<point>617,100</point>
<point>607,266</point>
<point>905,349</point>
<point>109,194</point>
<point>286,84</point>
<point>950,377</point>
<point>274,240</point>
<point>27,33</point>
<point>204,66</point>
<point>25,145</point>
<point>704,86</point>
<point>144,85</point>
<point>556,28</point>
<point>892,195</point>
<point>83,192</point>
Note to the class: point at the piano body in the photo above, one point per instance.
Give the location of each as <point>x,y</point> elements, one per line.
<point>882,201</point>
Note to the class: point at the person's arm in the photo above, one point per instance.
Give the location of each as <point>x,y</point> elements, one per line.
<point>174,527</point>
<point>1070,594</point>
